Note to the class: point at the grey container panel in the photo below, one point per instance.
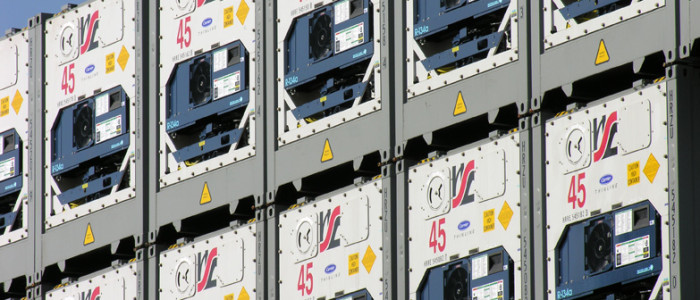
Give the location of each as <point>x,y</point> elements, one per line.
<point>626,42</point>
<point>434,110</point>
<point>689,27</point>
<point>347,142</point>
<point>16,260</point>
<point>225,185</point>
<point>121,277</point>
<point>109,226</point>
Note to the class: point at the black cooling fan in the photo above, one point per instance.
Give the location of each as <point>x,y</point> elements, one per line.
<point>457,285</point>
<point>321,36</point>
<point>83,127</point>
<point>599,247</point>
<point>200,82</point>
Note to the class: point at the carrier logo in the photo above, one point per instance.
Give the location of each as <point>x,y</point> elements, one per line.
<point>93,294</point>
<point>330,269</point>
<point>604,130</point>
<point>206,263</point>
<point>605,179</point>
<point>466,175</point>
<point>88,31</point>
<point>464,225</point>
<point>207,22</point>
<point>330,222</point>
<point>89,69</point>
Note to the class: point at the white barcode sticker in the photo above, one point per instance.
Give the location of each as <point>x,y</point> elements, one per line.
<point>101,104</point>
<point>480,266</point>
<point>220,59</point>
<point>341,11</point>
<point>350,37</point>
<point>7,168</point>
<point>490,291</point>
<point>227,85</point>
<point>632,251</point>
<point>108,129</point>
<point>623,222</point>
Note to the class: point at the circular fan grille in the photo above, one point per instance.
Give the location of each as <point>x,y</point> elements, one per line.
<point>321,36</point>
<point>599,247</point>
<point>457,287</point>
<point>200,82</point>
<point>83,127</point>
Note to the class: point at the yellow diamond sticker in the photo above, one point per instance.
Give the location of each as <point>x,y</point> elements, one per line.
<point>327,152</point>
<point>228,16</point>
<point>489,221</point>
<point>109,63</point>
<point>242,12</point>
<point>353,263</point>
<point>243,295</point>
<point>368,260</point>
<point>17,102</point>
<point>460,107</point>
<point>651,168</point>
<point>206,197</point>
<point>4,106</point>
<point>505,215</point>
<point>633,173</point>
<point>89,237</point>
<point>123,58</point>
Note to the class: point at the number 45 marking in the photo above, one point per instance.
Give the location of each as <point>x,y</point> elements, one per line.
<point>576,187</point>
<point>305,284</point>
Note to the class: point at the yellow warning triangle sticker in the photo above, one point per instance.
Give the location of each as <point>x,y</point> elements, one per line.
<point>602,55</point>
<point>243,295</point>
<point>89,237</point>
<point>327,152</point>
<point>460,107</point>
<point>206,197</point>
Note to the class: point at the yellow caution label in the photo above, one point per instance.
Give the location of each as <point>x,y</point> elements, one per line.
<point>206,197</point>
<point>455,49</point>
<point>202,143</point>
<point>228,19</point>
<point>602,55</point>
<point>89,237</point>
<point>242,12</point>
<point>460,107</point>
<point>633,173</point>
<point>109,63</point>
<point>123,58</point>
<point>4,106</point>
<point>505,215</point>
<point>489,220</point>
<point>327,152</point>
<point>229,297</point>
<point>368,259</point>
<point>85,186</point>
<point>323,99</point>
<point>243,295</point>
<point>651,168</point>
<point>17,101</point>
<point>353,263</point>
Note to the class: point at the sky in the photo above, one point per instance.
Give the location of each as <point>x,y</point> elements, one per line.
<point>21,10</point>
